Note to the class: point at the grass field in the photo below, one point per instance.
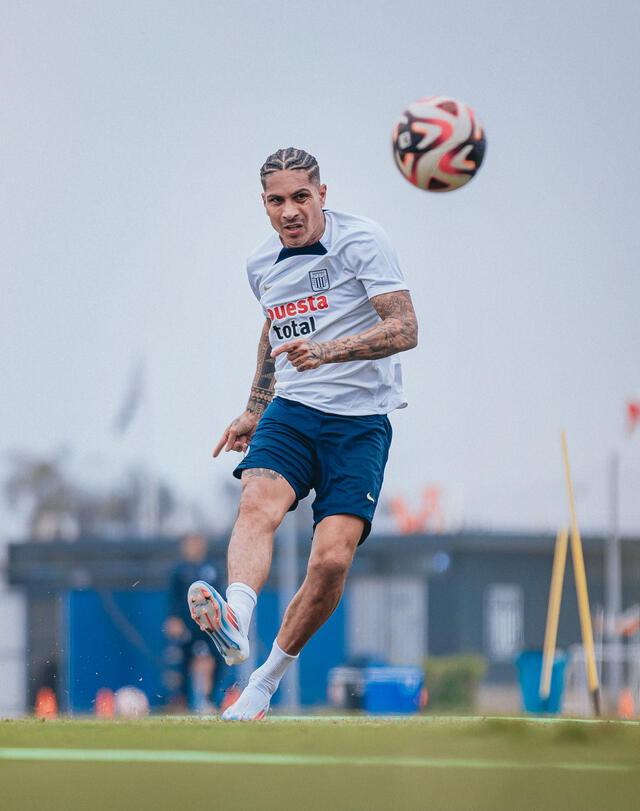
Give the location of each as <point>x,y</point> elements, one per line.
<point>422,763</point>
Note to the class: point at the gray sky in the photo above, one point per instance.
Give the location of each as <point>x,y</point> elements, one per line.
<point>131,141</point>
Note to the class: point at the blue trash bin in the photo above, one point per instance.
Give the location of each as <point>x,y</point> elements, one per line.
<point>389,690</point>
<point>529,665</point>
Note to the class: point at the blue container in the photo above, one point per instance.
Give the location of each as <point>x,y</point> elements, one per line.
<point>389,690</point>
<point>529,665</point>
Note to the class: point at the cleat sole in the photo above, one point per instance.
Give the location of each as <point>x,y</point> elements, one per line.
<point>216,619</point>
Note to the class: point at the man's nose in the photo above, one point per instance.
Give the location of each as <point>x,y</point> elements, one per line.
<point>289,210</point>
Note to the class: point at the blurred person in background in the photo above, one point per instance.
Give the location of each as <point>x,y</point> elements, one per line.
<point>196,669</point>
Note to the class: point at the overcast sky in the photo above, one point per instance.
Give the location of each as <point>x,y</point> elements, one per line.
<point>131,139</point>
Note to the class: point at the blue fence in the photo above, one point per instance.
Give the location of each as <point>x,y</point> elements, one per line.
<point>115,638</point>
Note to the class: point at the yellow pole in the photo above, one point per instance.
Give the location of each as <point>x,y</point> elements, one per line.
<point>553,611</point>
<point>581,586</point>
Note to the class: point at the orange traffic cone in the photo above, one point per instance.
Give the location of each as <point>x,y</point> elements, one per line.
<point>424,697</point>
<point>46,703</point>
<point>105,705</point>
<point>626,704</point>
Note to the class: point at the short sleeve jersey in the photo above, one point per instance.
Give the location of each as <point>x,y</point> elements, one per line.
<point>322,292</point>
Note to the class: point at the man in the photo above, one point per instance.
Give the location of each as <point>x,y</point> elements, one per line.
<point>337,312</point>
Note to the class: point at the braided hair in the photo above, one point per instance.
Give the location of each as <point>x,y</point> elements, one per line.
<point>290,158</point>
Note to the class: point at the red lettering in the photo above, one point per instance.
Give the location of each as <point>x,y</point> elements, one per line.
<point>304,305</point>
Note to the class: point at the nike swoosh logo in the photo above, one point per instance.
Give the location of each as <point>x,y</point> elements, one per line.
<point>371,498</point>
<point>267,287</point>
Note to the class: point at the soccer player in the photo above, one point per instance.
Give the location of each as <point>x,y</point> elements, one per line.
<point>337,313</point>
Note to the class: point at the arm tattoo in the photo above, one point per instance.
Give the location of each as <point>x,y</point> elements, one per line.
<point>264,380</point>
<point>396,332</point>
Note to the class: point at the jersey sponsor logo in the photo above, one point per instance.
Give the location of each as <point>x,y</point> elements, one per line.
<point>319,280</point>
<point>301,307</point>
<point>295,329</point>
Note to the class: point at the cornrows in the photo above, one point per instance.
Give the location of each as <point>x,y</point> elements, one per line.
<point>290,158</point>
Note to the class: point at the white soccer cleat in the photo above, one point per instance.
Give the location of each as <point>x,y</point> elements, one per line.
<point>253,705</point>
<point>215,617</point>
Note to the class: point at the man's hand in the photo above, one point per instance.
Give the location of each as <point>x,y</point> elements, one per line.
<point>302,353</point>
<point>396,331</point>
<point>238,433</point>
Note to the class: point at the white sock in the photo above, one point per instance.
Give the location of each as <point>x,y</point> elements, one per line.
<point>242,599</point>
<point>269,674</point>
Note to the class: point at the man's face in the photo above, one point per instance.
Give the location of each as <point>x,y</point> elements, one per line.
<point>194,548</point>
<point>294,206</point>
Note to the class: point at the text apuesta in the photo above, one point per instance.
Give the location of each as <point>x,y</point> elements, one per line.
<point>295,329</point>
<point>301,307</point>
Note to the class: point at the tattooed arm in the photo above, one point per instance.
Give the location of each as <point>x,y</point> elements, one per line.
<point>262,387</point>
<point>396,332</point>
<point>238,433</point>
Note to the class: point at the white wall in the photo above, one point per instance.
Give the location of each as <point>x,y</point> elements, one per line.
<point>387,617</point>
<point>12,646</point>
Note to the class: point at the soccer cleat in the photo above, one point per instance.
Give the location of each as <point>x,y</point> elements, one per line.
<point>215,617</point>
<point>253,705</point>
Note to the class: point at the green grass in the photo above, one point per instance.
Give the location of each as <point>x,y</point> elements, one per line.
<point>423,763</point>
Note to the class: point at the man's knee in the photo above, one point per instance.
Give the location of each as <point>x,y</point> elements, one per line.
<point>330,568</point>
<point>334,546</point>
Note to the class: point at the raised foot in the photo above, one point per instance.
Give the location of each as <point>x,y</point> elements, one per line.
<point>215,617</point>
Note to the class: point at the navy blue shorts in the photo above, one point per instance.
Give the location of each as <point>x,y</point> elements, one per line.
<point>342,458</point>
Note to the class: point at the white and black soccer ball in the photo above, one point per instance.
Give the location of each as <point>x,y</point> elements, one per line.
<point>438,143</point>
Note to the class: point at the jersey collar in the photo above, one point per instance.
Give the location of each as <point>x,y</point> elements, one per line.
<point>317,249</point>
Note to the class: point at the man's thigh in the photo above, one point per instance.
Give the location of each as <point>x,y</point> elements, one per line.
<point>284,443</point>
<point>267,492</point>
<point>352,455</point>
<point>336,538</point>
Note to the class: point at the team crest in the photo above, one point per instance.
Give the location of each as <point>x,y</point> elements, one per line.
<point>319,280</point>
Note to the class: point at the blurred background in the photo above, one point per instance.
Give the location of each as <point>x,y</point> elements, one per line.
<point>132,142</point>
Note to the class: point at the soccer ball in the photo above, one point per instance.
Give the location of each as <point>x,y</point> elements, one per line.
<point>438,143</point>
<point>131,702</point>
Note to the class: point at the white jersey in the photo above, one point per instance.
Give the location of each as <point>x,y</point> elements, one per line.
<point>322,292</point>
